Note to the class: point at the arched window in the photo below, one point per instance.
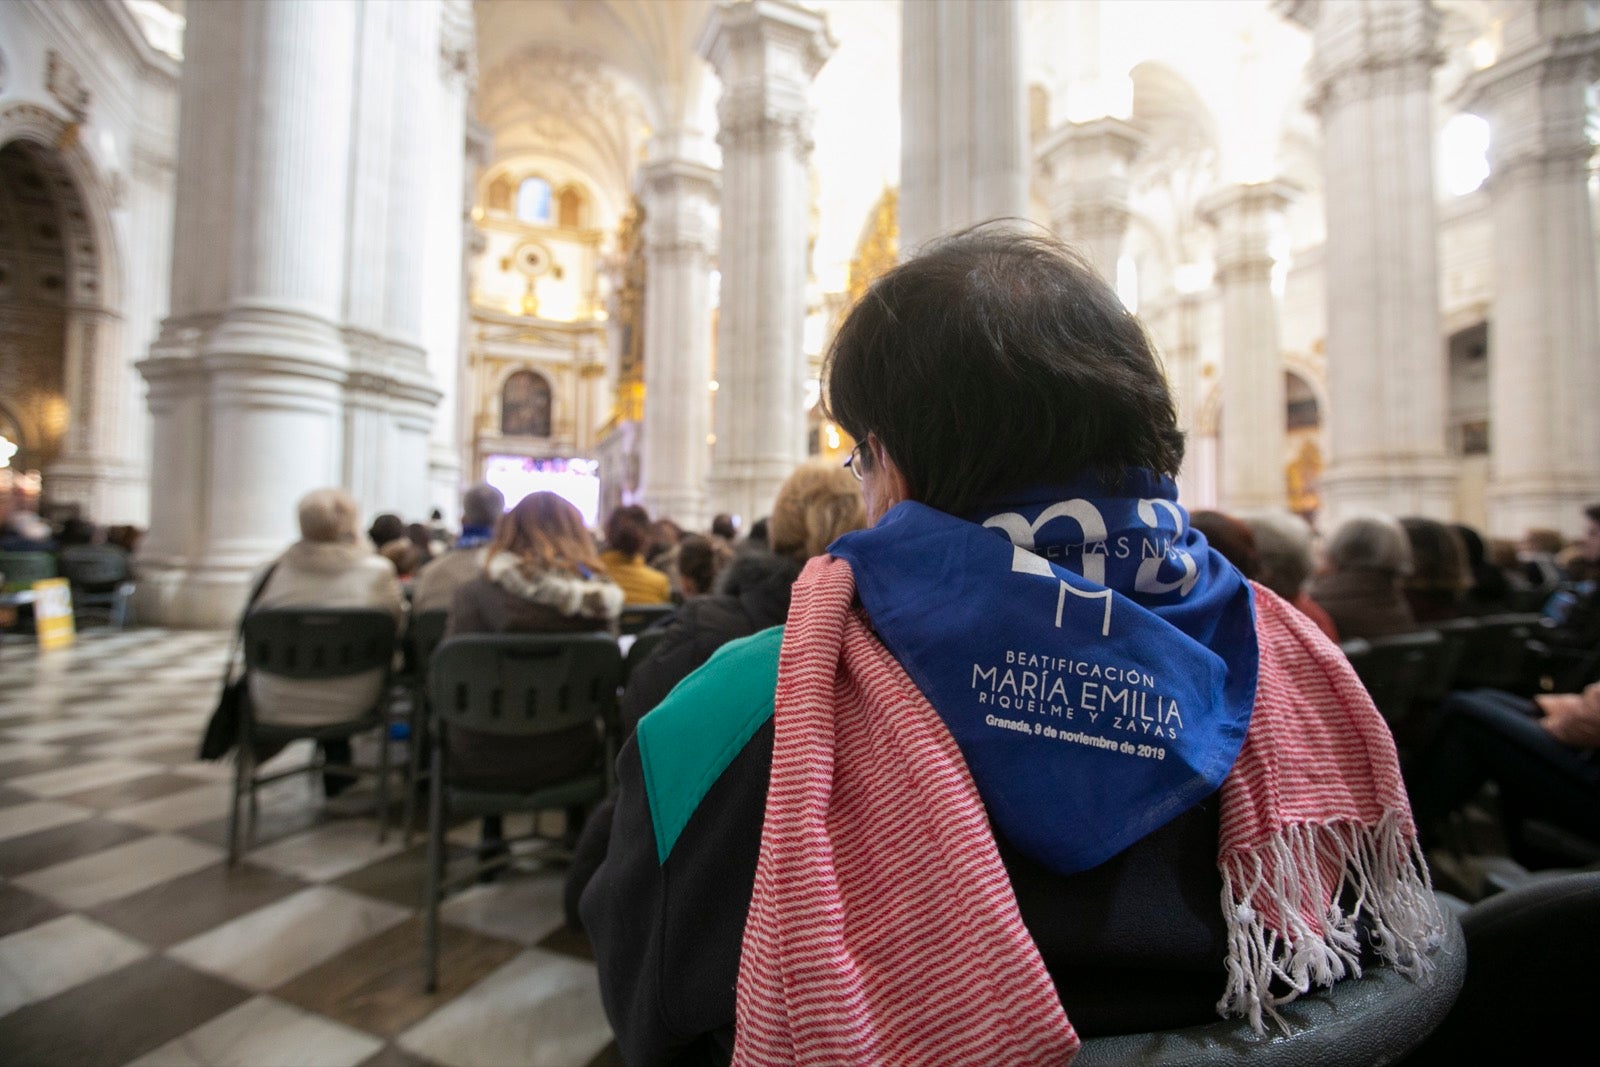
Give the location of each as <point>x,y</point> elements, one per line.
<point>533,200</point>
<point>569,207</point>
<point>525,405</point>
<point>500,191</point>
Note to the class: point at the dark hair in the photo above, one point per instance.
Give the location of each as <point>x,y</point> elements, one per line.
<point>628,530</point>
<point>385,528</point>
<point>997,360</point>
<point>1439,562</point>
<point>758,531</point>
<point>697,561</point>
<point>1231,537</point>
<point>1592,513</point>
<point>722,526</point>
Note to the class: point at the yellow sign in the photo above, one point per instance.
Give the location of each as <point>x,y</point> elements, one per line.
<point>52,613</point>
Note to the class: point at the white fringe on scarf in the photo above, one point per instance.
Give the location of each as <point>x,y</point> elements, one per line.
<point>1386,881</point>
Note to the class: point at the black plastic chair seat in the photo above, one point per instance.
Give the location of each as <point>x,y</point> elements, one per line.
<point>1496,652</point>
<point>584,790</point>
<point>1376,1019</point>
<point>1397,670</point>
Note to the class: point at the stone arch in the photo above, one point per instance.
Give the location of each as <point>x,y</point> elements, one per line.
<point>62,208</point>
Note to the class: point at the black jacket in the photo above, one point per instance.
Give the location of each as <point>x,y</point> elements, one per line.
<point>753,594</point>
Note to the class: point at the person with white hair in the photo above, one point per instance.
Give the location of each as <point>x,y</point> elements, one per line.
<point>331,566</point>
<point>1362,585</point>
<point>1283,548</point>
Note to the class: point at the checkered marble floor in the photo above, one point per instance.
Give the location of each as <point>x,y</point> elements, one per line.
<point>125,938</point>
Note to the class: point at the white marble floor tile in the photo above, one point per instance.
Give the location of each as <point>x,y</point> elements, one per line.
<point>60,730</point>
<point>514,824</point>
<point>173,812</point>
<point>84,776</point>
<point>216,771</point>
<point>273,944</point>
<point>139,742</point>
<point>54,956</point>
<point>19,750</point>
<point>38,815</point>
<point>117,872</point>
<point>521,908</point>
<point>538,1007</point>
<point>325,853</point>
<point>265,1031</point>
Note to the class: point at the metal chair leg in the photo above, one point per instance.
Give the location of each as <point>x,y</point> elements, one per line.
<point>416,721</point>
<point>383,778</point>
<point>234,805</point>
<point>435,880</point>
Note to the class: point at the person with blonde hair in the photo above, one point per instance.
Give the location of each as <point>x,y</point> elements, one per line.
<point>331,566</point>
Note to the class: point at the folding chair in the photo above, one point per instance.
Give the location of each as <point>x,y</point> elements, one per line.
<point>312,644</point>
<point>511,686</point>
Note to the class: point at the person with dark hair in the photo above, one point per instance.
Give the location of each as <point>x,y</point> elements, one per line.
<point>1234,539</point>
<point>758,532</point>
<point>698,563</point>
<point>1009,750</point>
<point>1572,613</point>
<point>1439,575</point>
<point>724,527</point>
<point>628,532</point>
<point>385,528</point>
<point>1490,591</point>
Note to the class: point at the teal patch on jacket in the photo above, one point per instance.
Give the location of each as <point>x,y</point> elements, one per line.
<point>689,739</point>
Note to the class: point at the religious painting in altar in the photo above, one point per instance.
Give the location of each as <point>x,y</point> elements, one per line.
<point>525,405</point>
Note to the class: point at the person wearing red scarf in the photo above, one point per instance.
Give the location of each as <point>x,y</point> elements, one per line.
<point>1029,761</point>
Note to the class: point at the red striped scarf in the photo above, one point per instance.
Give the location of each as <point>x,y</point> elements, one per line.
<point>882,926</point>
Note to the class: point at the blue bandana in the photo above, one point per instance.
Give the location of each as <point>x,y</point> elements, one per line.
<point>1092,656</point>
<point>474,536</point>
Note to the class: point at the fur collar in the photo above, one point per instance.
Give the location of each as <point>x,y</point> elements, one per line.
<point>589,598</point>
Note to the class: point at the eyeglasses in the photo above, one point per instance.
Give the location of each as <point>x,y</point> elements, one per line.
<point>852,463</point>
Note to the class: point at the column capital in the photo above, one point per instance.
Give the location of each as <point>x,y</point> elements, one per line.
<point>680,201</point>
<point>766,52</point>
<point>737,36</point>
<point>458,52</point>
<point>1242,215</point>
<point>1556,70</point>
<point>1367,49</point>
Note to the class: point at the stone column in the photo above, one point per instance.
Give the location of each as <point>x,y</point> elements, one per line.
<point>680,237</point>
<point>964,126</point>
<point>449,205</point>
<point>1372,75</point>
<point>1544,335</point>
<point>766,52</point>
<point>1176,321</point>
<point>1086,166</point>
<point>246,378</point>
<point>1252,367</point>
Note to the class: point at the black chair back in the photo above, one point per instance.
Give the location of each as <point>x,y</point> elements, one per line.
<point>318,643</point>
<point>423,636</point>
<point>19,570</point>
<point>1495,655</point>
<point>1396,669</point>
<point>93,566</point>
<point>524,684</point>
<point>640,650</point>
<point>636,618</point>
<point>1532,950</point>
